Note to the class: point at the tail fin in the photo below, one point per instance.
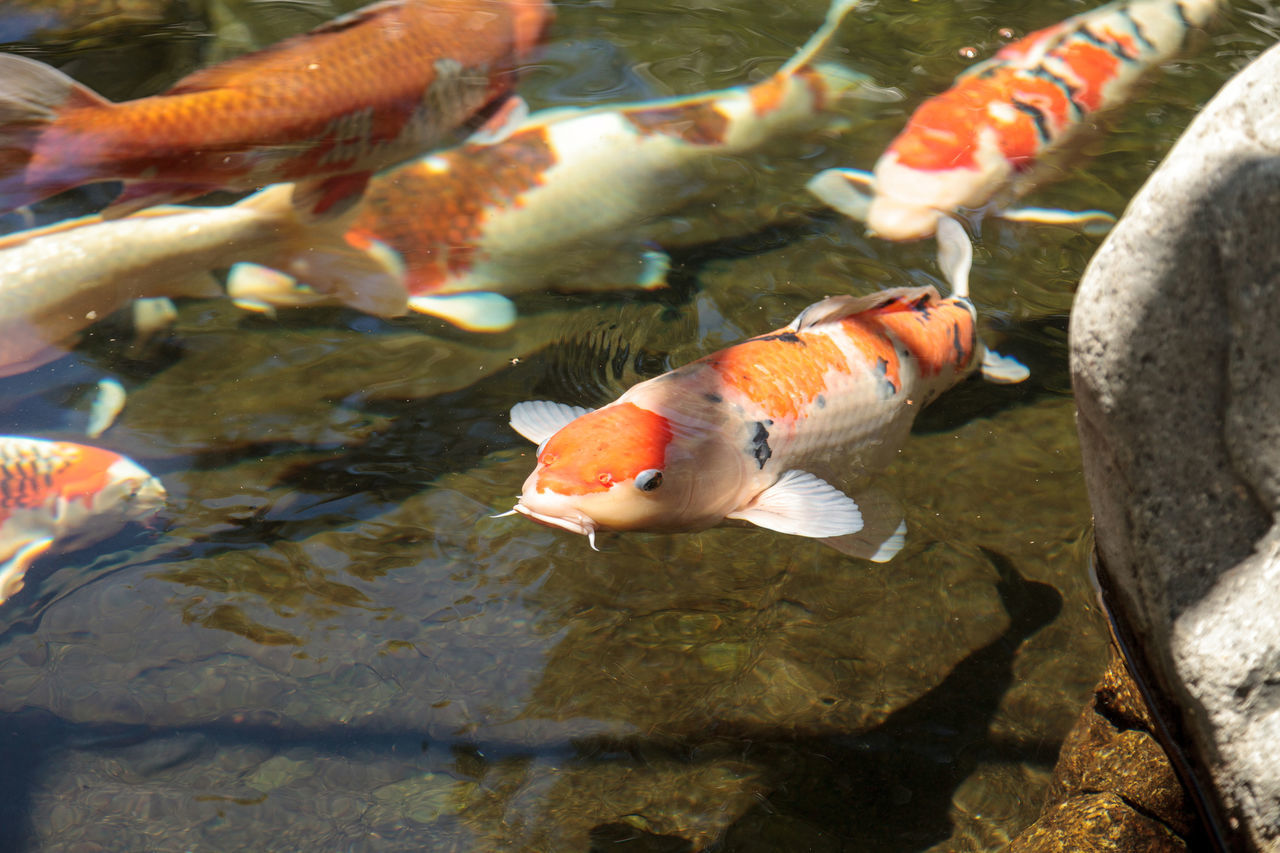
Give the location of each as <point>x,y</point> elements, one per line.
<point>32,95</point>
<point>955,255</point>
<point>315,253</point>
<point>819,40</point>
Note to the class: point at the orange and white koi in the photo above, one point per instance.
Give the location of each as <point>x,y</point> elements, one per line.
<point>60,495</point>
<point>564,201</point>
<point>330,107</point>
<point>978,140</point>
<point>58,280</point>
<point>757,431</point>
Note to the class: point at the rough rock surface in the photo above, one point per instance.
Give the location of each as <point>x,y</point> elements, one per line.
<point>1113,787</point>
<point>1174,358</point>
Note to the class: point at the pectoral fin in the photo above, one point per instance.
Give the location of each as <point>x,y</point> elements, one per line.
<point>1094,222</point>
<point>883,532</point>
<point>538,420</point>
<point>1003,369</point>
<point>107,405</point>
<point>478,311</point>
<point>513,113</point>
<point>849,191</point>
<point>803,505</point>
<point>14,570</point>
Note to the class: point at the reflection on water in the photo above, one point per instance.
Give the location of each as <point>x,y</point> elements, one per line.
<point>331,645</point>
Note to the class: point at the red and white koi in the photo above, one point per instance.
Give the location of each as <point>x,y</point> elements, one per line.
<point>976,141</point>
<point>329,107</point>
<point>56,495</point>
<point>565,200</point>
<point>757,431</point>
<point>58,280</point>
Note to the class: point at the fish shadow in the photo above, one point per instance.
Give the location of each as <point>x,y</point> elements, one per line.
<point>892,788</point>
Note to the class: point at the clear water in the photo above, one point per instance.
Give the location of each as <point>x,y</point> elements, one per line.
<point>331,646</point>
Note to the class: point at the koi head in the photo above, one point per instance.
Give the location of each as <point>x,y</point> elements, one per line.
<point>101,492</point>
<point>624,467</point>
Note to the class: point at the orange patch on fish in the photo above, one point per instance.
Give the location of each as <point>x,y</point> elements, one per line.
<point>607,446</point>
<point>1092,66</point>
<point>766,96</point>
<point>699,123</point>
<point>73,471</point>
<point>943,133</point>
<point>781,372</point>
<point>939,334</point>
<point>434,217</point>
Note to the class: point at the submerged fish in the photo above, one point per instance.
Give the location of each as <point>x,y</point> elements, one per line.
<point>58,280</point>
<point>59,495</point>
<point>564,200</point>
<point>756,431</point>
<point>976,141</point>
<point>360,93</point>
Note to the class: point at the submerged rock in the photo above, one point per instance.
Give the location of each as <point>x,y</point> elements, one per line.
<point>1174,353</point>
<point>1114,787</point>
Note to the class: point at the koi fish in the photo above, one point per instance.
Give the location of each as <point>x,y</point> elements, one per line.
<point>757,431</point>
<point>362,92</point>
<point>977,141</point>
<point>60,495</point>
<point>564,201</point>
<point>57,280</point>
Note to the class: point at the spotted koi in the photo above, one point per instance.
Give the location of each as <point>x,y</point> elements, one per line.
<point>568,198</point>
<point>755,431</point>
<point>977,141</point>
<point>329,107</point>
<point>56,495</point>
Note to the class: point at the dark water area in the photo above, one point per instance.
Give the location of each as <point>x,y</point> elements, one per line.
<point>330,644</point>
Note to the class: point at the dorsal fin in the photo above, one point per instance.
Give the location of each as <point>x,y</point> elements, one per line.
<point>835,308</point>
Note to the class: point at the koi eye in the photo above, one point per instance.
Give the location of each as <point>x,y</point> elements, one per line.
<point>648,480</point>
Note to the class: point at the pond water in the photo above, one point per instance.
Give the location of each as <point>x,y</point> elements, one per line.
<point>330,645</point>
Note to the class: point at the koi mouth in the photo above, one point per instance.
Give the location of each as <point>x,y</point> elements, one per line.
<point>581,525</point>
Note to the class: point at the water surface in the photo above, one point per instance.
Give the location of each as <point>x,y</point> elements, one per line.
<point>331,645</point>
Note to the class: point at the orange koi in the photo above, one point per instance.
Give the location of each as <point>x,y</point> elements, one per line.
<point>757,431</point>
<point>978,140</point>
<point>329,107</point>
<point>60,495</point>
<point>568,198</point>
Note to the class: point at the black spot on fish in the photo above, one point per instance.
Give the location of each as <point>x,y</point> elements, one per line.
<point>1182,15</point>
<point>1113,47</point>
<point>1037,115</point>
<point>760,444</point>
<point>1127,14</point>
<point>887,388</point>
<point>820,401</point>
<point>711,397</point>
<point>923,304</point>
<point>957,344</point>
<point>1067,88</point>
<point>787,337</point>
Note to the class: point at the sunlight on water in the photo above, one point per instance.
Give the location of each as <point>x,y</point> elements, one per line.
<point>329,643</point>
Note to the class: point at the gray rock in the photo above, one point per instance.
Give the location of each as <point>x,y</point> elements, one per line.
<point>1175,343</point>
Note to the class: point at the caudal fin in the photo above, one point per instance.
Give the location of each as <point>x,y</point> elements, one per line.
<point>820,39</point>
<point>32,95</point>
